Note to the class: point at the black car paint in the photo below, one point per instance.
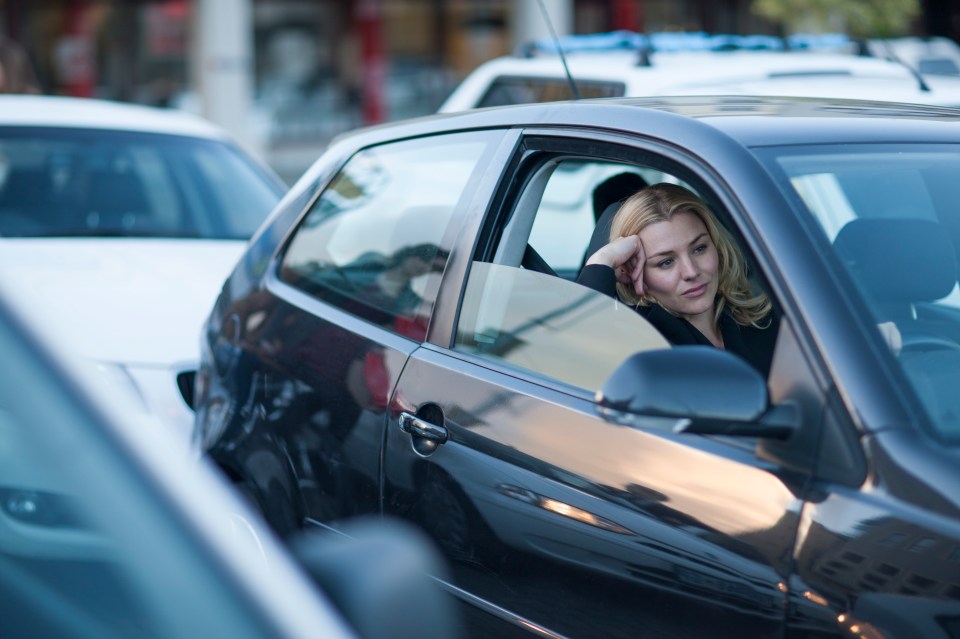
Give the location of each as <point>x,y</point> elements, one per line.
<point>858,472</point>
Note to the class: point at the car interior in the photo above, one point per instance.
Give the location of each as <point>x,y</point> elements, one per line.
<point>520,305</point>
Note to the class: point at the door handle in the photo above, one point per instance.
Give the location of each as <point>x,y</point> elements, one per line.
<point>422,428</point>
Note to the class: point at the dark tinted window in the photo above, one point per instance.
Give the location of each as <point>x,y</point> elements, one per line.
<point>515,90</point>
<point>890,214</point>
<point>375,242</point>
<point>62,182</point>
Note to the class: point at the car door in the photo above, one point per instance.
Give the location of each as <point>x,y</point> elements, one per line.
<point>557,521</point>
<point>320,345</point>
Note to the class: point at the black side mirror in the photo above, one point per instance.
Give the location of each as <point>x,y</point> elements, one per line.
<point>384,577</point>
<point>709,391</point>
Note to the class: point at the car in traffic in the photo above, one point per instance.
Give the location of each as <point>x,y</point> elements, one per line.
<point>119,223</point>
<point>623,63</point>
<point>395,342</point>
<point>111,528</point>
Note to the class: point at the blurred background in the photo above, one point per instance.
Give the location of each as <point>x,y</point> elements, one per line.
<point>284,76</point>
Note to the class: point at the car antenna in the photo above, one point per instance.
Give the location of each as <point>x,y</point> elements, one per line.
<point>556,43</point>
<point>891,55</point>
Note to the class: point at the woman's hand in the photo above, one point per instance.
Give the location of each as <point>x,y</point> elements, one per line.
<point>625,256</point>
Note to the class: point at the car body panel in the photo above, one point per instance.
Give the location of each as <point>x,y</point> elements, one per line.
<point>542,499</point>
<point>106,286</point>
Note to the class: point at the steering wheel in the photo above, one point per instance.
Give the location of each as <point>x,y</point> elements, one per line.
<point>924,343</point>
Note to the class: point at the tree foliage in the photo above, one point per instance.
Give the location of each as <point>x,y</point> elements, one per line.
<point>861,18</point>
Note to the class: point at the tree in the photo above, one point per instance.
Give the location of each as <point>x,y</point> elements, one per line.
<point>859,18</point>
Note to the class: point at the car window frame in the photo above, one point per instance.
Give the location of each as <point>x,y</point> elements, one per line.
<point>696,171</point>
<point>461,211</point>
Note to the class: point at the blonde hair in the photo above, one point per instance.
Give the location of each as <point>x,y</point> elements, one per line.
<point>659,203</point>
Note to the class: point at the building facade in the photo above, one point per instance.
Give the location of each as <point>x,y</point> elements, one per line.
<point>288,74</point>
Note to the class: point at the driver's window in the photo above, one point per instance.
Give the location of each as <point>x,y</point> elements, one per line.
<point>535,318</point>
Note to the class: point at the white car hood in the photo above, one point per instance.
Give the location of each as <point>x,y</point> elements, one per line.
<point>131,301</point>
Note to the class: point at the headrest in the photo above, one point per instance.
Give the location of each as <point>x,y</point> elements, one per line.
<point>899,260</point>
<point>615,189</point>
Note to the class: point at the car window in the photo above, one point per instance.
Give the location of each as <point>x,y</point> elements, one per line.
<point>889,212</point>
<point>548,325</point>
<point>104,183</point>
<point>522,90</point>
<point>376,241</point>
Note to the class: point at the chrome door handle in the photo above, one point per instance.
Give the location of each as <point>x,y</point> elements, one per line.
<point>421,428</point>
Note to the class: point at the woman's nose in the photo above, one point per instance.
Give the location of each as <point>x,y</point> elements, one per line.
<point>688,269</point>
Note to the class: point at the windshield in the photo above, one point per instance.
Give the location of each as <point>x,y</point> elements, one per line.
<point>890,213</point>
<point>103,183</point>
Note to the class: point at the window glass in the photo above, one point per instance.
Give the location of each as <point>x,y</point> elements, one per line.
<point>517,90</point>
<point>889,212</point>
<point>549,325</point>
<point>375,242</point>
<point>75,183</point>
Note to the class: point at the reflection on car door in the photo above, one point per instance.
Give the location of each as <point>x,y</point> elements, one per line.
<point>326,339</point>
<point>558,520</point>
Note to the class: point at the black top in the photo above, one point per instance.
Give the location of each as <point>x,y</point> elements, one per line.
<point>755,345</point>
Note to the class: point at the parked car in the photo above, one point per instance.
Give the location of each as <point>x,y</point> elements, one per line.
<point>119,223</point>
<point>391,344</point>
<point>110,531</point>
<point>630,64</point>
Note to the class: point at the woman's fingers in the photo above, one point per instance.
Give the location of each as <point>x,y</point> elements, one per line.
<point>626,257</point>
<point>636,273</point>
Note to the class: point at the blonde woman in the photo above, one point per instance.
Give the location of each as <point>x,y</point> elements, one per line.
<point>670,259</point>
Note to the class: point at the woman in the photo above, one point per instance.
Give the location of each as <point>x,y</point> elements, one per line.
<point>671,260</point>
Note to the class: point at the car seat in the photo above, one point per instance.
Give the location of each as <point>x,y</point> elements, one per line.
<point>901,265</point>
<point>898,263</point>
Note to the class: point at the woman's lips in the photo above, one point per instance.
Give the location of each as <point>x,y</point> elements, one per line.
<point>695,292</point>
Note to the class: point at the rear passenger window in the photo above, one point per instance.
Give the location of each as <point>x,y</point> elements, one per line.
<point>376,241</point>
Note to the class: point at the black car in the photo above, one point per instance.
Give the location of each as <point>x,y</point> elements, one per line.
<point>405,335</point>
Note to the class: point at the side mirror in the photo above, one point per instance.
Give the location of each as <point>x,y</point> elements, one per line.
<point>383,576</point>
<point>708,391</point>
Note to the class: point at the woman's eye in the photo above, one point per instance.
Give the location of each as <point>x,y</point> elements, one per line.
<point>665,263</point>
<point>700,249</point>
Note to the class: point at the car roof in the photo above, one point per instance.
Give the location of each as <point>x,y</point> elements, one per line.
<point>87,113</point>
<point>693,120</point>
<point>805,73</point>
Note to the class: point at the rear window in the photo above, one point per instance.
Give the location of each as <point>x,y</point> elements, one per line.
<point>103,183</point>
<point>520,90</point>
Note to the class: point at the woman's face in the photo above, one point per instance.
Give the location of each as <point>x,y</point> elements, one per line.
<point>681,266</point>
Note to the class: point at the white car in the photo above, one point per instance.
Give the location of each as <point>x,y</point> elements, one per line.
<point>620,70</point>
<point>118,224</point>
